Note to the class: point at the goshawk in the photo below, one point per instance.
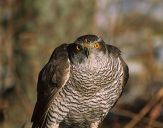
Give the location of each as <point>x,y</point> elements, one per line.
<point>79,85</point>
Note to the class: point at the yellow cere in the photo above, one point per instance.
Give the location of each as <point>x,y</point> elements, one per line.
<point>86,44</point>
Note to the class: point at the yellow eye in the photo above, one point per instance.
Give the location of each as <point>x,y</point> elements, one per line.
<point>77,48</point>
<point>97,45</point>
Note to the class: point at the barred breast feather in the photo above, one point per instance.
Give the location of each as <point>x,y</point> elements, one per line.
<point>94,90</point>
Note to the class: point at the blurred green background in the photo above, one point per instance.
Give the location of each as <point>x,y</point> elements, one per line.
<point>31,29</point>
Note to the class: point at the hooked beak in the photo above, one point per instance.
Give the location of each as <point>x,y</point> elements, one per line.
<point>86,48</point>
<point>86,52</point>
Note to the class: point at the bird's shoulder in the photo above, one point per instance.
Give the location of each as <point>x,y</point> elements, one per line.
<point>59,52</point>
<point>113,50</point>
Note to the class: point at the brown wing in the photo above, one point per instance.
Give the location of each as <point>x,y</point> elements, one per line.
<point>117,53</point>
<point>51,79</point>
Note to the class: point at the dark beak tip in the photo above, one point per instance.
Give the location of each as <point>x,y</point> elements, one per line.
<point>86,52</point>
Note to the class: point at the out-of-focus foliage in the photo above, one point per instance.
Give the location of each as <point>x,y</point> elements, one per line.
<point>31,29</point>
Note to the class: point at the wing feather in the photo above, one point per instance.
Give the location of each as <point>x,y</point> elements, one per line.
<point>51,79</point>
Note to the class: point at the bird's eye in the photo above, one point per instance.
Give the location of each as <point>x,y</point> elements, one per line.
<point>77,48</point>
<point>97,45</point>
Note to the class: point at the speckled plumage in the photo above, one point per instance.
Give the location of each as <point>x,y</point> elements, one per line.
<point>78,88</point>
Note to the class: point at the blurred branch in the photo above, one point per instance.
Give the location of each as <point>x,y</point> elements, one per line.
<point>154,114</point>
<point>130,114</point>
<point>137,118</point>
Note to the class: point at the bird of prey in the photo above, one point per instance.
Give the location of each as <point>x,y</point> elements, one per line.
<point>80,84</point>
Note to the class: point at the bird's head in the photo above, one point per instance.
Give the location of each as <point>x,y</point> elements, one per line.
<point>85,46</point>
